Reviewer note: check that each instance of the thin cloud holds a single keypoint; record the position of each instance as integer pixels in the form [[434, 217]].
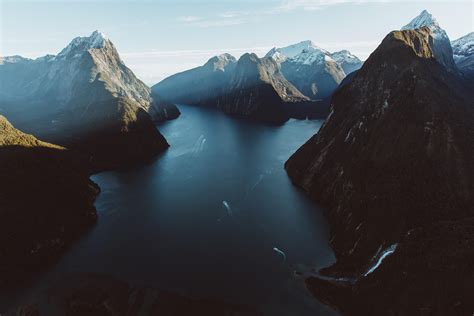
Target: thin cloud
[[189, 18], [311, 5], [224, 19], [219, 23], [233, 14]]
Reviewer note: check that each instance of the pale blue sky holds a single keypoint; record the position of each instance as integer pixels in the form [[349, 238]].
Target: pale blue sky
[[159, 38]]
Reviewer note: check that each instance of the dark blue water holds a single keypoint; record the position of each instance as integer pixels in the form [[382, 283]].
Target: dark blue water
[[165, 224]]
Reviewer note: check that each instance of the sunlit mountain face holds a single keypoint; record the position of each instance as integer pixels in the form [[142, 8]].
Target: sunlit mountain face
[[236, 158]]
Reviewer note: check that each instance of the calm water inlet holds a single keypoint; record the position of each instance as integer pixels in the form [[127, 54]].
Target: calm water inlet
[[206, 217]]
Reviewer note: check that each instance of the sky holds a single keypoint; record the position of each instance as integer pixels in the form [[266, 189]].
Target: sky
[[159, 38]]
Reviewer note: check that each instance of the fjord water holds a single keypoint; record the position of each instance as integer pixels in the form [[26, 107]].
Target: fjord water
[[204, 219]]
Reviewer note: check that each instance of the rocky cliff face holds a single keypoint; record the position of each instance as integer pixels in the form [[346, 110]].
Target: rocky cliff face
[[463, 49], [198, 86], [85, 86], [46, 201], [393, 165]]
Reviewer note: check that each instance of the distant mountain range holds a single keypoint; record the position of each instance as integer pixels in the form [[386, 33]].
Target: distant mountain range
[[394, 166], [302, 79], [84, 97], [314, 71], [463, 49]]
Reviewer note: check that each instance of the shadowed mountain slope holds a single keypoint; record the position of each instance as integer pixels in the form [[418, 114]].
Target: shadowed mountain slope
[[394, 166], [83, 90], [46, 201]]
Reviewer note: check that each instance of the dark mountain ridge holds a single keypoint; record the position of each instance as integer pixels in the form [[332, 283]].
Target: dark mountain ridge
[[394, 166]]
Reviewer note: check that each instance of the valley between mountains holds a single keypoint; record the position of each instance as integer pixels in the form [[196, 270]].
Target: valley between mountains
[[344, 187]]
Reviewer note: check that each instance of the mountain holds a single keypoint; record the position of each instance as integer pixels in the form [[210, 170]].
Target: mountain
[[441, 44], [198, 86], [393, 166], [258, 90], [84, 97], [46, 201], [347, 61], [250, 87], [280, 54], [463, 49], [314, 71]]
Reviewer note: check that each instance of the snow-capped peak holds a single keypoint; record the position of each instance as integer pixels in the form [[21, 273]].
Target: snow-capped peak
[[310, 55], [441, 45], [220, 62], [345, 56], [226, 57], [281, 54], [464, 46], [95, 40], [424, 19]]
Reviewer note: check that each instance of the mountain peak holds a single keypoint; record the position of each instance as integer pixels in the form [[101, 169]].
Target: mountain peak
[[291, 51], [96, 40], [441, 45], [220, 62], [226, 57], [424, 19]]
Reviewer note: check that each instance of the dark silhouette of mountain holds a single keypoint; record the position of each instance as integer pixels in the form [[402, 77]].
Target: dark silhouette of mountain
[[393, 164], [46, 201], [92, 294], [84, 97]]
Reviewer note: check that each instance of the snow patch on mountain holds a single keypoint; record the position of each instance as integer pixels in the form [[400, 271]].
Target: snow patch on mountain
[[423, 19], [463, 46], [345, 56], [281, 54], [311, 55], [463, 50], [307, 53], [13, 59], [80, 44], [426, 19], [441, 45]]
